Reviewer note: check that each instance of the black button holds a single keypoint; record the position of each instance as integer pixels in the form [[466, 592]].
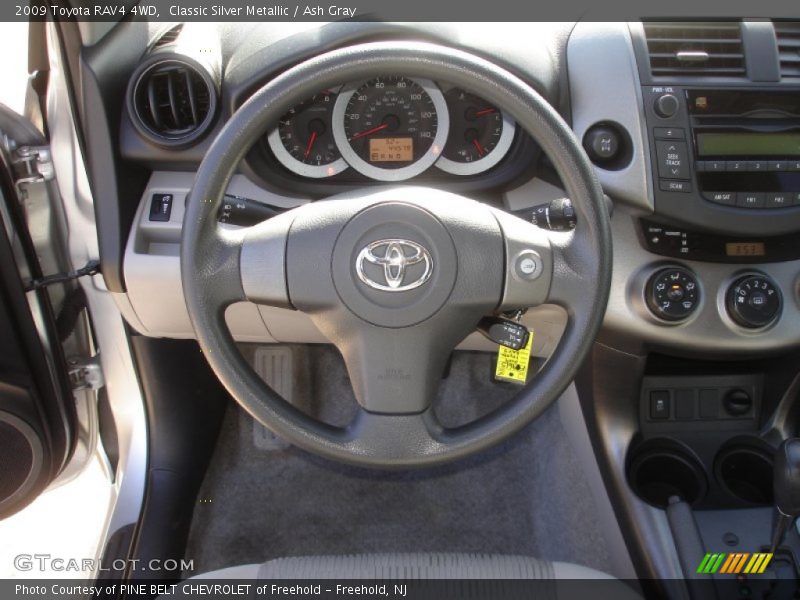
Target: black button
[[777, 199], [669, 133], [668, 185], [796, 198], [777, 165], [727, 198], [793, 165], [736, 165], [750, 199], [659, 404], [709, 404], [757, 165], [160, 207], [684, 405], [673, 160], [715, 165]]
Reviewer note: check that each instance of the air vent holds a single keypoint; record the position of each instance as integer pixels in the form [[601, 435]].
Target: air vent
[[695, 49], [172, 101], [169, 36], [788, 34]]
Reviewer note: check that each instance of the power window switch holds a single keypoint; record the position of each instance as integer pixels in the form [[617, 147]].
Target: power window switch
[[659, 405], [160, 207]]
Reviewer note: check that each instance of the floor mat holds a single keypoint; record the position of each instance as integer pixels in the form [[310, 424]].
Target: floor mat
[[526, 496]]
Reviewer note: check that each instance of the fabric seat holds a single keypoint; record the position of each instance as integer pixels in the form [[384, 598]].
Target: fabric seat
[[566, 580]]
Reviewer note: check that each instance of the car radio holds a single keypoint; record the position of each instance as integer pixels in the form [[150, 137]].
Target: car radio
[[737, 147]]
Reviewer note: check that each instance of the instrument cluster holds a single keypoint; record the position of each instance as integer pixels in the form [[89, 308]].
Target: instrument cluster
[[392, 128]]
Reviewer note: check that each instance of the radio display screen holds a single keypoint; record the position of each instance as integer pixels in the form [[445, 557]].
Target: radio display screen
[[784, 145], [745, 249]]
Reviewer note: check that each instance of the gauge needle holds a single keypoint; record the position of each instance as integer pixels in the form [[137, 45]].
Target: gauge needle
[[485, 111], [478, 146], [361, 134], [310, 144]]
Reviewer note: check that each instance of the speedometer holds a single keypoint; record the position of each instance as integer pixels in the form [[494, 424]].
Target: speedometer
[[391, 128]]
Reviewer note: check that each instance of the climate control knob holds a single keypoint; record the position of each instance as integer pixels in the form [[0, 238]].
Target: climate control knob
[[672, 293], [754, 301]]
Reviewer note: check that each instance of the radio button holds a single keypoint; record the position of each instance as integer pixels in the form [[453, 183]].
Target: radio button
[[796, 198], [715, 165], [727, 198], [669, 185], [736, 165], [750, 199], [700, 166], [777, 165], [778, 200], [673, 160], [757, 165], [793, 165], [669, 133]]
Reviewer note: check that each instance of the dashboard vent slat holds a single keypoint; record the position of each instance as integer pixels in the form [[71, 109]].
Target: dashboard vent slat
[[788, 36], [169, 37], [695, 49], [172, 101]]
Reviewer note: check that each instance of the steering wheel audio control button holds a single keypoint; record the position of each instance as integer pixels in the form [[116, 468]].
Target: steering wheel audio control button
[[528, 265], [672, 294]]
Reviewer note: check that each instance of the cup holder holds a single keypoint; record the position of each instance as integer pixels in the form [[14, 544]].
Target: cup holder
[[745, 471], [660, 469]]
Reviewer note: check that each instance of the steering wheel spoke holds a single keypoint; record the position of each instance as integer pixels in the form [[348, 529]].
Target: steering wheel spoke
[[263, 261]]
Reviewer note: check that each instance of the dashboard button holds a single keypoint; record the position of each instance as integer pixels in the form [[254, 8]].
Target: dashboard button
[[727, 198], [793, 165], [777, 199], [659, 404], [750, 199], [673, 160], [777, 165], [669, 133], [715, 165], [667, 106], [736, 165], [796, 198], [757, 165], [669, 185], [160, 207], [700, 166]]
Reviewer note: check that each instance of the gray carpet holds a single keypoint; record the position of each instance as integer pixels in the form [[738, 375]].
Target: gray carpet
[[526, 496]]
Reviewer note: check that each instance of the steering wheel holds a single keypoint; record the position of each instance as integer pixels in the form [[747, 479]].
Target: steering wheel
[[454, 260]]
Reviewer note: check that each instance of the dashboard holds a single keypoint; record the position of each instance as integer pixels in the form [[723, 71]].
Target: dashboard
[[692, 129]]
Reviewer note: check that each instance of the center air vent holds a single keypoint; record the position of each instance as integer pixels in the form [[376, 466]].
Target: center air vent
[[695, 49], [788, 35], [172, 101]]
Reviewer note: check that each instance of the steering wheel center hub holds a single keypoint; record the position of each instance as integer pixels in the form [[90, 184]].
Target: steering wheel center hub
[[394, 264]]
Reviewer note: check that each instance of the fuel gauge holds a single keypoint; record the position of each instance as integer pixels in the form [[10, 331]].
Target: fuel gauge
[[480, 134]]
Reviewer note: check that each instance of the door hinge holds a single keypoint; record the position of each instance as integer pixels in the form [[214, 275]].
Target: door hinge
[[32, 164], [86, 373]]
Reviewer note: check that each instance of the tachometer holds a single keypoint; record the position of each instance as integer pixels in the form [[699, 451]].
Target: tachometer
[[390, 128], [480, 134], [303, 140]]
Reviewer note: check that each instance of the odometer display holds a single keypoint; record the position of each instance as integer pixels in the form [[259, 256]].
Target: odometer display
[[391, 128]]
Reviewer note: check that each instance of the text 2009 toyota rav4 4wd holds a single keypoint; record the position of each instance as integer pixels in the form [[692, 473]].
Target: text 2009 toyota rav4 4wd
[[421, 310]]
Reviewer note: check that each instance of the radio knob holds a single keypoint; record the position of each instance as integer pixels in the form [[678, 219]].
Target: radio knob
[[754, 301], [667, 106]]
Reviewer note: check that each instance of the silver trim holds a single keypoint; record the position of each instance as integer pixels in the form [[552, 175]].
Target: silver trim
[[495, 155], [394, 262], [403, 173]]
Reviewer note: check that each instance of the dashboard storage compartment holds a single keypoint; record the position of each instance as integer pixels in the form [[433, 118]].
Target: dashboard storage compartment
[[661, 468]]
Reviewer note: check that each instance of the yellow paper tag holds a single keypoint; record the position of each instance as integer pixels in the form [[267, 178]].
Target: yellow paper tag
[[512, 365]]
